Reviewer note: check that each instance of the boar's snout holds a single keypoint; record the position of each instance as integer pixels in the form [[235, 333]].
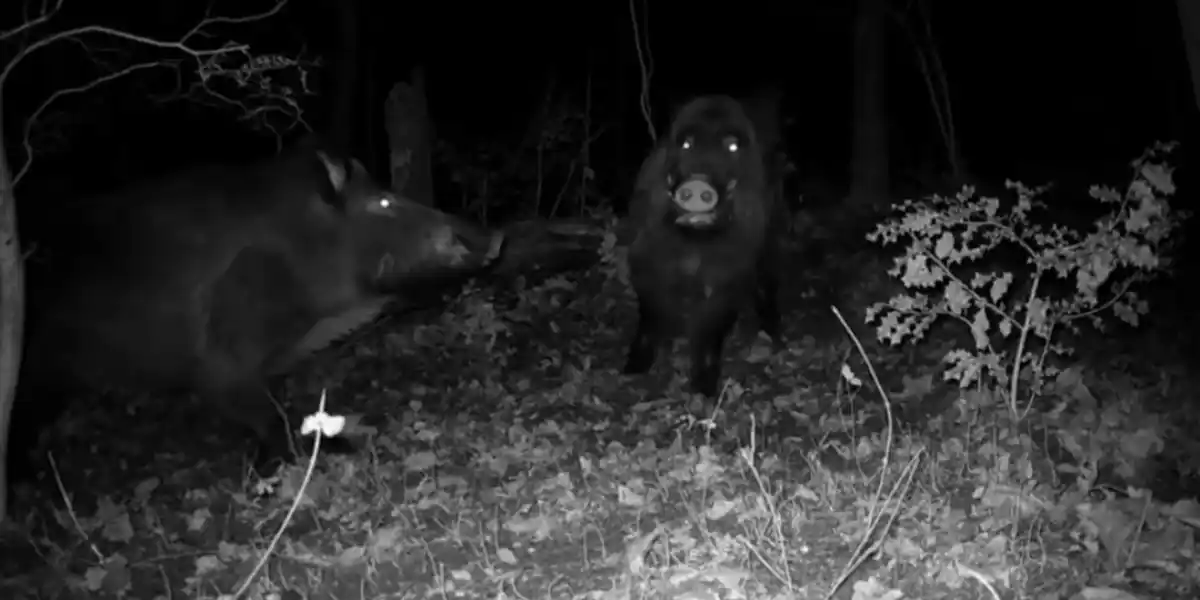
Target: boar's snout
[[428, 248], [456, 245]]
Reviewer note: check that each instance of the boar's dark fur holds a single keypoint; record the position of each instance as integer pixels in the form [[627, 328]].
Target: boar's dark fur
[[695, 263], [206, 281]]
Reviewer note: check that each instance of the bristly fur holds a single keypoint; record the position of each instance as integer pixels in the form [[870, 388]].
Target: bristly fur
[[696, 284], [213, 279]]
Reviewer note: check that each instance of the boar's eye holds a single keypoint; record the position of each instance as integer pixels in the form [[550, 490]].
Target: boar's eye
[[687, 143], [731, 144], [381, 205]]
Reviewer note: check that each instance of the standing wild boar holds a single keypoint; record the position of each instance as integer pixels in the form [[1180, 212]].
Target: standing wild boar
[[706, 224], [207, 280]]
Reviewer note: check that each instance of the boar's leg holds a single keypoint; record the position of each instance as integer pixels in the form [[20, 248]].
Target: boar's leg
[[766, 302], [643, 350], [246, 404], [712, 327], [31, 416], [258, 309], [46, 388]]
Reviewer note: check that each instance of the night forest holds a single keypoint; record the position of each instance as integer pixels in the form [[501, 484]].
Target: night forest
[[854, 299]]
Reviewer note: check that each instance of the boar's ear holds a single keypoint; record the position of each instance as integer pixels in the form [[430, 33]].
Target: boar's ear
[[358, 171], [336, 170]]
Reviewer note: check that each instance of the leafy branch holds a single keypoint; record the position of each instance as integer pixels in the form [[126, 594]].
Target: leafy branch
[[947, 238]]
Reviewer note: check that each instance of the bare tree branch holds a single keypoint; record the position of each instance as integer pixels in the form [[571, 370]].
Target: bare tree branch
[[180, 45], [33, 118], [45, 14], [260, 94], [641, 42]]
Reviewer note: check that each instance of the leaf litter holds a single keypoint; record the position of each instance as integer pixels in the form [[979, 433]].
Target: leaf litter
[[502, 455]]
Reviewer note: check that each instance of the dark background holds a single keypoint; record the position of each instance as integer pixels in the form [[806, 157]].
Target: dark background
[[1065, 91]]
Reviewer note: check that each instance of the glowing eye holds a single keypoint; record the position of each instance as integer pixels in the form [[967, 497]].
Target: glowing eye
[[687, 144], [731, 144], [380, 206]]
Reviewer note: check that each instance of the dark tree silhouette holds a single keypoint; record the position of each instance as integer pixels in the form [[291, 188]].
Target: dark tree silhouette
[[1189, 21], [869, 159], [347, 76]]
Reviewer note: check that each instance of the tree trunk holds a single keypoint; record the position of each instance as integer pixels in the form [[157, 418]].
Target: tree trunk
[[12, 312], [410, 135], [374, 146], [1189, 20], [621, 98], [345, 91], [869, 166]]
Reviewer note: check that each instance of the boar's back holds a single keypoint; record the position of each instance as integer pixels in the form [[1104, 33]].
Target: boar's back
[[163, 277]]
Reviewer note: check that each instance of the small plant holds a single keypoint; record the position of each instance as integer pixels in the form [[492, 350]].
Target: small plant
[[952, 243]]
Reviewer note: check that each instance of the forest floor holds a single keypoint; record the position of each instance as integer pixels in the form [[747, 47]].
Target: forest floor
[[505, 456]]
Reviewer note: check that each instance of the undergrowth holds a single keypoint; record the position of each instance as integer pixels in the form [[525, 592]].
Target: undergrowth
[[504, 455]]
